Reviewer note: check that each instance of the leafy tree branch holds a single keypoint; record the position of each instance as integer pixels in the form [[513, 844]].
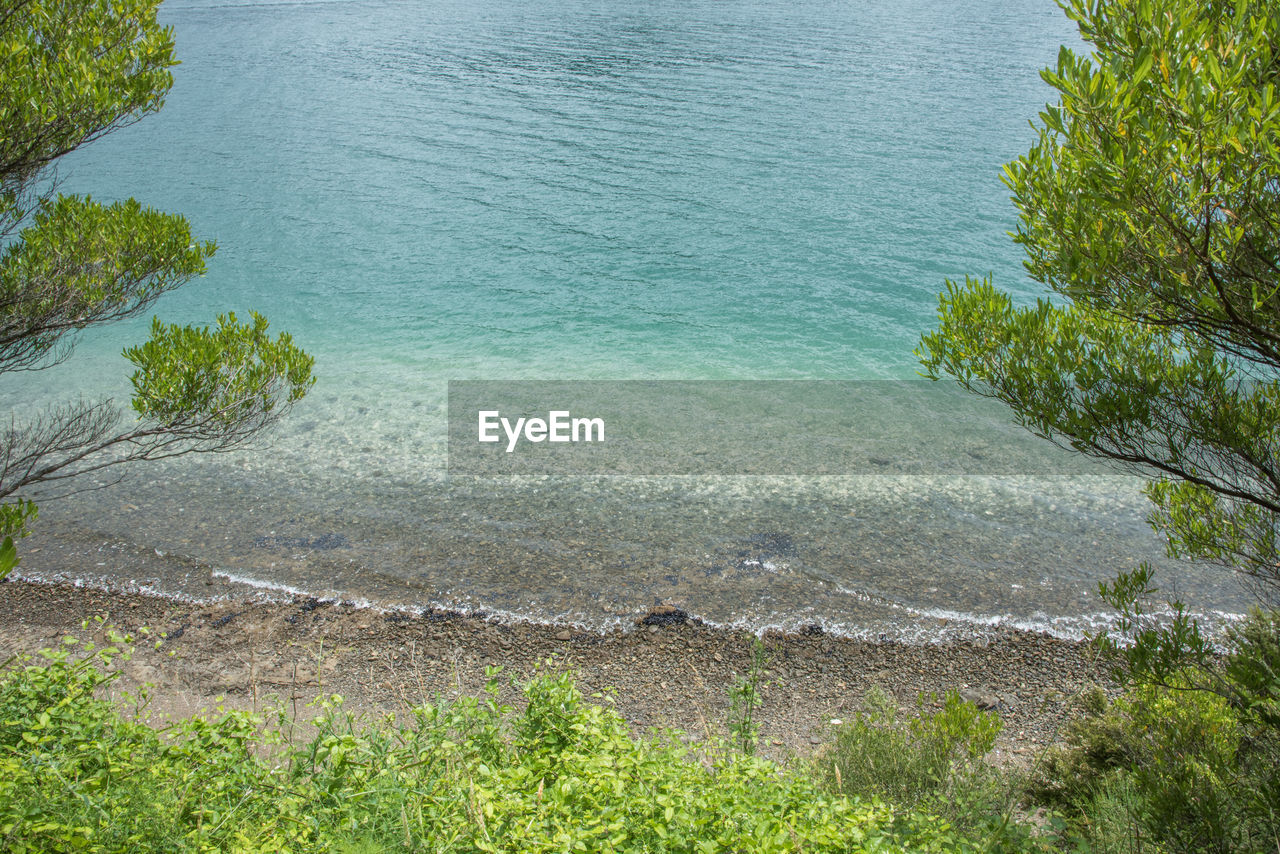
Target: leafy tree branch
[[74, 71]]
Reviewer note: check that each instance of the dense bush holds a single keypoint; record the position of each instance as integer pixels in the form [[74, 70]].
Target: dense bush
[[1187, 762], [471, 775], [932, 761]]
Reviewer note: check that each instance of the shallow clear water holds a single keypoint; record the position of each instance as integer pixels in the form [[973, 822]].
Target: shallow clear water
[[426, 191]]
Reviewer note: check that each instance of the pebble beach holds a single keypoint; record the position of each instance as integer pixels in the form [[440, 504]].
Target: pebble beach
[[666, 672]]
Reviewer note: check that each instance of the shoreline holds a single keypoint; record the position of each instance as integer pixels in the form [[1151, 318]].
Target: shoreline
[[669, 673], [62, 558]]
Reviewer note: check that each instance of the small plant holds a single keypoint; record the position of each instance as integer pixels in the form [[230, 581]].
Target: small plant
[[744, 699], [932, 761]]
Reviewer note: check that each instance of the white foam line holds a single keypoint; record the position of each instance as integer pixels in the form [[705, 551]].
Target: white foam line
[[1073, 628], [284, 592], [112, 585], [259, 584], [465, 609], [961, 625]]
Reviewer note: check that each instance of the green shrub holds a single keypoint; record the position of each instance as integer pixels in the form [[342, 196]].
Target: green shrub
[[1160, 763], [76, 775], [1252, 671], [68, 764], [1192, 759], [463, 776], [932, 761], [1095, 748], [1114, 823]]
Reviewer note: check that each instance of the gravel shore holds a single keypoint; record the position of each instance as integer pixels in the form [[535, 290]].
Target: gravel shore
[[666, 672]]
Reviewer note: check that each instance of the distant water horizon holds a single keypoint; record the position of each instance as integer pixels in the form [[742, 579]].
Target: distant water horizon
[[422, 192]]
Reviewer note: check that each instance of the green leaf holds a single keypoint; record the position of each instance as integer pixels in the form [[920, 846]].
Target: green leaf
[[8, 557]]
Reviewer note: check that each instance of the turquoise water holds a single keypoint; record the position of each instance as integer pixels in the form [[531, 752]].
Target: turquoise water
[[422, 191], [701, 189]]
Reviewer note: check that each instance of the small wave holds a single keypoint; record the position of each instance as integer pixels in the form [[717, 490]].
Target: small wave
[[950, 624]]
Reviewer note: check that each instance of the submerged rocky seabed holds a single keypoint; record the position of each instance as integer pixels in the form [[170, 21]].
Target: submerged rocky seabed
[[878, 557]]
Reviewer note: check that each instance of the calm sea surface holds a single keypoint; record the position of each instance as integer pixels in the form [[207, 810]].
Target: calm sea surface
[[427, 191]]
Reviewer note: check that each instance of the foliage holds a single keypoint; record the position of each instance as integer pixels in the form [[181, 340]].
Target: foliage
[[469, 775], [14, 519], [1170, 650], [744, 699], [210, 383], [931, 761], [1187, 758], [74, 72], [1148, 206], [1113, 824]]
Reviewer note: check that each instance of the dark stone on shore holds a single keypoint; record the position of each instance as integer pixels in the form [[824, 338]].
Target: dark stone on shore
[[435, 615], [984, 700], [667, 615]]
